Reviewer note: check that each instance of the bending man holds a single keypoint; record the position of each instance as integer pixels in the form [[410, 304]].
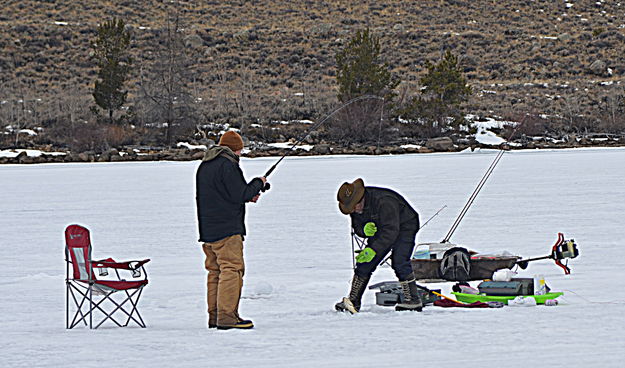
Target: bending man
[[390, 224]]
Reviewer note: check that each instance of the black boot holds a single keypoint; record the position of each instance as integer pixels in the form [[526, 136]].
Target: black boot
[[243, 324], [352, 303], [412, 301]]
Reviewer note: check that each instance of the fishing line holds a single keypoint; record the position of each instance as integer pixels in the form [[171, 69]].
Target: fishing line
[[313, 128], [617, 302]]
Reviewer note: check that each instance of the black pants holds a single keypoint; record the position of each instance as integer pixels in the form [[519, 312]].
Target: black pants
[[400, 258]]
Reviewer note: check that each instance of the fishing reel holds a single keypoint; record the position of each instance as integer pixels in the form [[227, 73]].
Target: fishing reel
[[265, 187]]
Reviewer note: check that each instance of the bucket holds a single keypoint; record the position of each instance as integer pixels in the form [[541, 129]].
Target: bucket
[[421, 252]]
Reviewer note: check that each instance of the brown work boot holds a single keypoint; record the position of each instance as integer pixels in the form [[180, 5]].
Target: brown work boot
[[243, 324], [351, 304]]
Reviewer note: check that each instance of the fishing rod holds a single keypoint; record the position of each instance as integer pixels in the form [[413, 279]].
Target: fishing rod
[[479, 187], [431, 217], [312, 129]]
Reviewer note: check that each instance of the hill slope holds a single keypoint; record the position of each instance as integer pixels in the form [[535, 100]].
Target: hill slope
[[557, 58]]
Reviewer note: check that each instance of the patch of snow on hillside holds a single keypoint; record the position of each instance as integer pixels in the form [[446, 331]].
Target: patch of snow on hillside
[[27, 131], [483, 134], [488, 137], [191, 146], [288, 145], [287, 122], [406, 146], [31, 153]]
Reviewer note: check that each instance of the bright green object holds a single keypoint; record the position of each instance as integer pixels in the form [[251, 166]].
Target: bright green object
[[366, 255], [470, 298], [370, 229]]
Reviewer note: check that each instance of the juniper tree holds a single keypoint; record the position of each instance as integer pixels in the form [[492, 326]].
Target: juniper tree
[[361, 71], [113, 61], [444, 89]]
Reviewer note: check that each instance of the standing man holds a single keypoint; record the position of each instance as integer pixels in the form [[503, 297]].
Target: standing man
[[221, 195], [390, 224]]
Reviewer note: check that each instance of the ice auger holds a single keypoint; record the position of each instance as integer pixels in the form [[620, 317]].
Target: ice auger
[[562, 249]]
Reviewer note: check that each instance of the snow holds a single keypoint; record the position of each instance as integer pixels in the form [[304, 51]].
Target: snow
[[483, 134], [406, 146], [30, 153], [27, 131], [288, 145], [298, 263], [191, 146], [285, 122], [488, 137]]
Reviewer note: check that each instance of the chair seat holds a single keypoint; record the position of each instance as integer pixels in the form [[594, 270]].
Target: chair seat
[[119, 285]]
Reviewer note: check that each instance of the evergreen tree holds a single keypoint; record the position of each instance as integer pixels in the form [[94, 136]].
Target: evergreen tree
[[113, 60], [444, 81], [361, 70], [444, 90]]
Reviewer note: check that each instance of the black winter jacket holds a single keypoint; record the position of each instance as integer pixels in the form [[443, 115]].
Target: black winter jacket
[[392, 215], [221, 194]]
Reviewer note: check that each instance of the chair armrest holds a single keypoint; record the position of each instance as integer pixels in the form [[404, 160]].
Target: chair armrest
[[110, 263]]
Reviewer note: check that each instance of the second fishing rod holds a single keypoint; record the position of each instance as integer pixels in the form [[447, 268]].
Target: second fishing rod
[[314, 128], [480, 185]]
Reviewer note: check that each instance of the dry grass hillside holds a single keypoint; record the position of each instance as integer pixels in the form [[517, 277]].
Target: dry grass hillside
[[275, 59]]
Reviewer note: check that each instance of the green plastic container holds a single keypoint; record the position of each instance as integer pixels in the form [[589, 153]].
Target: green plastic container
[[470, 298]]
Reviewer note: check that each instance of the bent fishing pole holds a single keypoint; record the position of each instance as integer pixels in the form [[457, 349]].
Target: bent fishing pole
[[312, 129], [480, 185]]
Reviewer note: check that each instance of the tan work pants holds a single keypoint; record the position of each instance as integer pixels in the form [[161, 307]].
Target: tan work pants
[[224, 263]]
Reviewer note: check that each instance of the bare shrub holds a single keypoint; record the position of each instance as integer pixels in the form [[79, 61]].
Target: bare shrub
[[88, 137], [360, 122]]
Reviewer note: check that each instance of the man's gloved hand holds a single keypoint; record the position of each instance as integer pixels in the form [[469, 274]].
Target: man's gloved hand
[[366, 255], [370, 229]]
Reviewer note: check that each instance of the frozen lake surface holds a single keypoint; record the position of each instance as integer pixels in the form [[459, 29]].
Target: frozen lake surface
[[298, 263]]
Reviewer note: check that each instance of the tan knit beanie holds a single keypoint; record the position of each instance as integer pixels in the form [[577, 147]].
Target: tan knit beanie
[[232, 140]]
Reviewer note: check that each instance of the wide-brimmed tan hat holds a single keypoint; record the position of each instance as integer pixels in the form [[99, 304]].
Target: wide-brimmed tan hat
[[349, 195]]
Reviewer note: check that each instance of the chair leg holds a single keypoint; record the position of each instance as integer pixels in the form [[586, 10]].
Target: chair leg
[[82, 316], [108, 315], [67, 304], [119, 306], [93, 306], [78, 306], [134, 307], [90, 306]]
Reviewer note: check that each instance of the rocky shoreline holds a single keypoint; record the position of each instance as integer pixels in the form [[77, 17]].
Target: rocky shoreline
[[442, 144]]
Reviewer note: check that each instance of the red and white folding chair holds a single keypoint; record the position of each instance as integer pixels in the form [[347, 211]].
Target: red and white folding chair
[[103, 297]]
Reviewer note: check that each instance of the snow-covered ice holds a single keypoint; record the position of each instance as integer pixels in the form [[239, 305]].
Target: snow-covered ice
[[298, 263]]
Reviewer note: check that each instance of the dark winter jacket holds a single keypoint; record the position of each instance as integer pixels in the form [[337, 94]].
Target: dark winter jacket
[[392, 215], [221, 194]]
